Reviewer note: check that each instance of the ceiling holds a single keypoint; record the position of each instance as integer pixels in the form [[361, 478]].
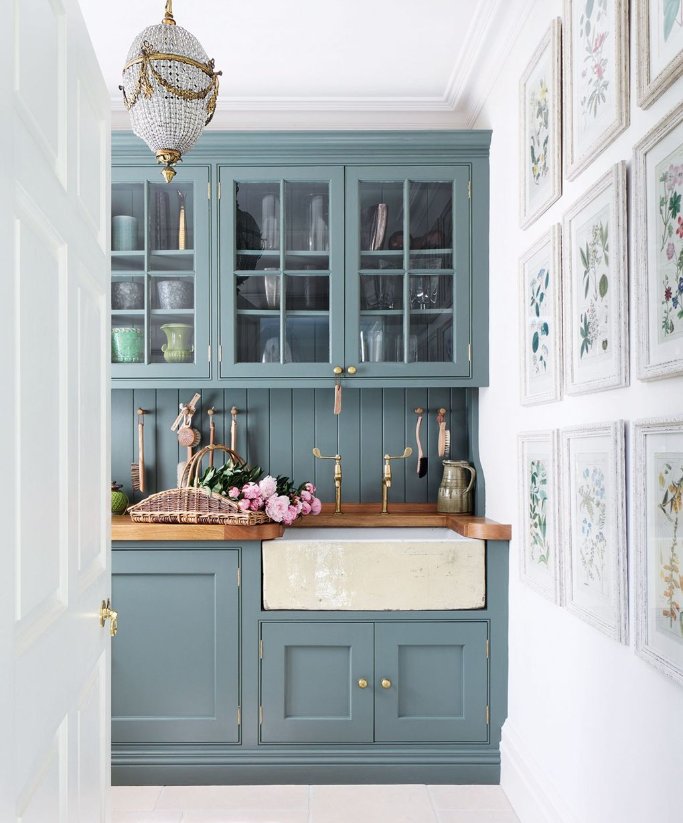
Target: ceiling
[[329, 63]]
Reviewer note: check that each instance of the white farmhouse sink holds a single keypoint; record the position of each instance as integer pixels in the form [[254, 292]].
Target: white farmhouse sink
[[373, 569]]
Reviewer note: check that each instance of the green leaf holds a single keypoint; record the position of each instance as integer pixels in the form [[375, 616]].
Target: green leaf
[[670, 12], [675, 204], [545, 329], [603, 285], [584, 257], [534, 342]]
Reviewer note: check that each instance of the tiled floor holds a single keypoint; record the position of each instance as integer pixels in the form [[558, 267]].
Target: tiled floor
[[311, 804]]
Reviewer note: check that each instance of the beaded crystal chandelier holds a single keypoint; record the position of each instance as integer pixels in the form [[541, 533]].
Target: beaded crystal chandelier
[[170, 89]]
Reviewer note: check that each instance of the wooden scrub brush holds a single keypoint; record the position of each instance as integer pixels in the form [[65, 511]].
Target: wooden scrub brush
[[137, 470], [422, 464]]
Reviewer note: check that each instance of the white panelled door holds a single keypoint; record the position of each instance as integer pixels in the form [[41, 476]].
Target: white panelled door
[[54, 532]]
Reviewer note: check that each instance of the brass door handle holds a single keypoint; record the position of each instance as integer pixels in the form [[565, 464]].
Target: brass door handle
[[386, 683], [351, 370], [107, 613], [362, 683], [337, 370]]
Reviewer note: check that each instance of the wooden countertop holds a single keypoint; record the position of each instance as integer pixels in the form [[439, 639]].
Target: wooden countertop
[[401, 515]]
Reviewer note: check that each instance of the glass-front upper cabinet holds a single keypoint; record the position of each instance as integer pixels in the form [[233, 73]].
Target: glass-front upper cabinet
[[160, 284], [408, 271], [281, 271]]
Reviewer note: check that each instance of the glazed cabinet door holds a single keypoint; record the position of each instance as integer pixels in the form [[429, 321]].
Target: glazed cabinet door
[[160, 274], [175, 658], [281, 271], [408, 272], [432, 682], [312, 683]]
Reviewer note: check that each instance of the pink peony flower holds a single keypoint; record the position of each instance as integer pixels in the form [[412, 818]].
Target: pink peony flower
[[234, 492], [305, 508], [310, 488], [316, 506], [256, 504], [244, 505], [251, 491], [268, 486], [276, 507], [306, 495], [289, 516]]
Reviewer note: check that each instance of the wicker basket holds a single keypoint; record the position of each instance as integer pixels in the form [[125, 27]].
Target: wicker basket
[[191, 504]]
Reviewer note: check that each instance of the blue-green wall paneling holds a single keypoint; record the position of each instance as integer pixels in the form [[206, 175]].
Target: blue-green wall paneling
[[278, 428]]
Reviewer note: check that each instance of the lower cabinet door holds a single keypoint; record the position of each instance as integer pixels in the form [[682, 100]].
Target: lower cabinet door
[[431, 682], [175, 657], [313, 678]]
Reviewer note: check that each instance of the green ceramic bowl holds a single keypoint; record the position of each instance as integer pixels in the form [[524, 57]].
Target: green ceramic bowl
[[127, 345]]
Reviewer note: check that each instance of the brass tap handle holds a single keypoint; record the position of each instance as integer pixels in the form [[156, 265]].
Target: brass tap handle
[[337, 476], [107, 613], [386, 477]]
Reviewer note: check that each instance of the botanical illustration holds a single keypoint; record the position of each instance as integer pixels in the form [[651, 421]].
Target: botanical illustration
[[591, 510], [593, 36], [668, 515], [539, 327], [593, 246], [539, 548], [539, 133], [669, 176]]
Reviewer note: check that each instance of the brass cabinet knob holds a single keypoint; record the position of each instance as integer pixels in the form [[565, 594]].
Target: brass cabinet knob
[[362, 683], [386, 683], [338, 370], [351, 370]]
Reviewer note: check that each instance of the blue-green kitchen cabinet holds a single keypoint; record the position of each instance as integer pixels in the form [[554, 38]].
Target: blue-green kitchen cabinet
[[360, 251], [175, 659], [418, 681], [160, 273], [209, 687], [281, 272]]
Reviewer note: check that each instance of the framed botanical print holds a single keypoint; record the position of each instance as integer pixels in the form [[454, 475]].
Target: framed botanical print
[[658, 167], [540, 94], [595, 79], [657, 488], [539, 561], [540, 324], [594, 548], [659, 32], [595, 283]]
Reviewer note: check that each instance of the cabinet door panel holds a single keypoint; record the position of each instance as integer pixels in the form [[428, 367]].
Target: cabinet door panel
[[160, 274], [309, 683], [175, 658], [281, 271], [408, 278], [439, 682]]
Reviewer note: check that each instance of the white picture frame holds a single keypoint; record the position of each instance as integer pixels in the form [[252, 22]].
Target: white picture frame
[[539, 513], [657, 486], [540, 135], [540, 325], [594, 559], [596, 81], [658, 173], [595, 287], [659, 36]]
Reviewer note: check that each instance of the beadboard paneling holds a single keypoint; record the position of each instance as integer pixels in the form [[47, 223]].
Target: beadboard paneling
[[277, 428]]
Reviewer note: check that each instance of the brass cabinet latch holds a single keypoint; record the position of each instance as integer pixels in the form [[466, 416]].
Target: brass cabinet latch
[[107, 613]]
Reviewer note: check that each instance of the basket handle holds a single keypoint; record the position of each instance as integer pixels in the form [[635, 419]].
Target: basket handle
[[190, 476]]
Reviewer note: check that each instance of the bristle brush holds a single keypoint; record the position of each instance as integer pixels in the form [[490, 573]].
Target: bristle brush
[[422, 464]]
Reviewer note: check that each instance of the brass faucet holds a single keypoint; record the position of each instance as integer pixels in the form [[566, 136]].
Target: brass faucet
[[386, 477], [337, 477]]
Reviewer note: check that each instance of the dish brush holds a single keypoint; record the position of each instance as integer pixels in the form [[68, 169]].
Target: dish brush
[[137, 470]]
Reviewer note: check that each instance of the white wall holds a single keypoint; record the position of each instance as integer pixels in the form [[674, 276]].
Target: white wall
[[594, 734]]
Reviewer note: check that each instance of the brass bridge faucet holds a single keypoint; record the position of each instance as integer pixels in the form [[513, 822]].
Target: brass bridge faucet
[[386, 477], [337, 477]]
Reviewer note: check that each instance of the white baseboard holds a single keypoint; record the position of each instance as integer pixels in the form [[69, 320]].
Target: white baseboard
[[531, 794]]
